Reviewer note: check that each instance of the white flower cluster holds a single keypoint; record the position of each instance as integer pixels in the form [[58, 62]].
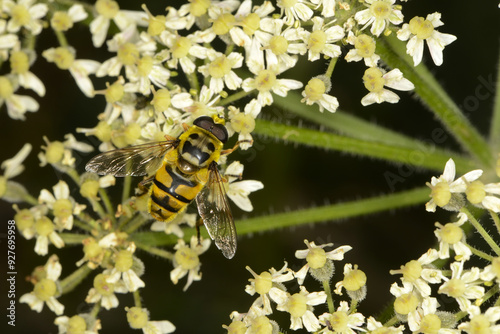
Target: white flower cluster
[[259, 43]]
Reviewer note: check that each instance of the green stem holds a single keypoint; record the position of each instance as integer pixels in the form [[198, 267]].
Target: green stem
[[331, 67], [235, 97], [495, 121], [480, 253], [156, 251], [73, 280], [73, 238], [418, 156], [135, 223], [489, 240], [304, 216], [329, 298], [127, 185], [392, 51], [137, 298], [107, 204], [496, 220]]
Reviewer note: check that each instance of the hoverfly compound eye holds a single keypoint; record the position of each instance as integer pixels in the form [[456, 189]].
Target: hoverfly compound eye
[[218, 130]]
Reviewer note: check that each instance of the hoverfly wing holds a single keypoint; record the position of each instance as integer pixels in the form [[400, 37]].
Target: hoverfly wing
[[135, 160], [216, 214]]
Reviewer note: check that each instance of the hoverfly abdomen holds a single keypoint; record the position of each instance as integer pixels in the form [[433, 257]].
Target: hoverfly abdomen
[[171, 192]]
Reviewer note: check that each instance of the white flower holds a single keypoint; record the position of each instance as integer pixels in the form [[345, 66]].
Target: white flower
[[62, 204], [7, 41], [220, 72], [295, 10], [379, 14], [426, 318], [24, 14], [187, 261], [322, 38], [66, 324], [262, 284], [20, 62], [482, 195], [446, 185], [315, 92], [299, 305], [108, 10], [420, 30], [342, 321], [45, 232], [364, 49], [46, 289], [123, 271], [375, 326], [486, 322], [420, 272], [452, 235], [9, 190], [463, 285], [104, 291], [182, 50], [17, 105], [318, 250], [138, 318], [173, 226], [243, 123], [80, 69], [63, 21], [238, 191], [375, 79], [407, 302]]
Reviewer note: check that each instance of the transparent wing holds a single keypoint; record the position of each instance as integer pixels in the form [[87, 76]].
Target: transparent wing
[[216, 214], [134, 160]]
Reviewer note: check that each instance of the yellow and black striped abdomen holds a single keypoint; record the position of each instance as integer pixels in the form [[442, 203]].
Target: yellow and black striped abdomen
[[171, 192]]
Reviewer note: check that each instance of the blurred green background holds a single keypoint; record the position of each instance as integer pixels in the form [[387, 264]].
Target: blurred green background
[[294, 177]]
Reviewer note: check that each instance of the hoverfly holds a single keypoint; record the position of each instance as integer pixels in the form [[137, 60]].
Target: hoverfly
[[185, 168]]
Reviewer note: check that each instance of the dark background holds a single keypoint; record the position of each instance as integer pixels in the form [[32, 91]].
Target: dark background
[[294, 177]]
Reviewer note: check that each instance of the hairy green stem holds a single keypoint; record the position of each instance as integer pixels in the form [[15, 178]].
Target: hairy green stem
[[489, 240], [495, 120], [73, 280], [329, 298]]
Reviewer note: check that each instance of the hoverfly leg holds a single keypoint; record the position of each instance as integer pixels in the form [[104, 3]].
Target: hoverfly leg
[[198, 224], [231, 150], [143, 185]]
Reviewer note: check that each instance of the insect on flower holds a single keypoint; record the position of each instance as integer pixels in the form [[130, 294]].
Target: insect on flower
[[184, 168]]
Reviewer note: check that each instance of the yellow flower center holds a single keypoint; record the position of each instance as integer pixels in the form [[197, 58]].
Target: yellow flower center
[[219, 67], [137, 317], [454, 288], [354, 280], [181, 47], [288, 3], [475, 192], [441, 193], [24, 218], [250, 24], [316, 258], [365, 45], [297, 305], [373, 80], [263, 283], [61, 21], [187, 258], [243, 123], [63, 58], [339, 322], [145, 65], [63, 208], [261, 324], [161, 100], [6, 89], [451, 233], [54, 152], [316, 41], [91, 248], [420, 27], [265, 80], [406, 303], [103, 131], [20, 15], [157, 25], [19, 62], [223, 24], [45, 289], [412, 271], [199, 7], [479, 324], [107, 8], [44, 226], [128, 54], [124, 260], [315, 89], [76, 325], [132, 133], [278, 45], [102, 286], [114, 93], [430, 324], [89, 189], [380, 10]]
